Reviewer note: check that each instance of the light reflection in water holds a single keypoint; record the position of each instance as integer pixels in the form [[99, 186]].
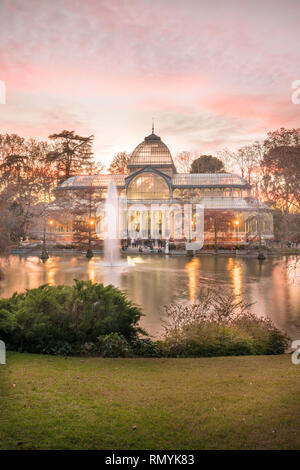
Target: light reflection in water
[[51, 269], [235, 269], [91, 270], [133, 261], [192, 269]]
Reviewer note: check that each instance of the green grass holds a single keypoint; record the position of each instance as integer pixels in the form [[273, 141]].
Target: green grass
[[94, 403]]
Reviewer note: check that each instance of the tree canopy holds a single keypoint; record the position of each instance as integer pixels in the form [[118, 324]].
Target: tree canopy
[[281, 176], [207, 164], [72, 153]]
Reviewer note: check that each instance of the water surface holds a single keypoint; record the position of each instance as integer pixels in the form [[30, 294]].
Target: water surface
[[153, 281]]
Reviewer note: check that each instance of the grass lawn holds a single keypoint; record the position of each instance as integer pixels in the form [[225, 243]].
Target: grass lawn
[[215, 403]]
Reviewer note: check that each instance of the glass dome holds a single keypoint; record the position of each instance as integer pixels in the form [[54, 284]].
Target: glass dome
[[152, 151]]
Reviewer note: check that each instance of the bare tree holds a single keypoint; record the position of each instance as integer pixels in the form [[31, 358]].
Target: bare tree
[[246, 160], [282, 138], [184, 160], [24, 181], [281, 169], [119, 163], [218, 221]]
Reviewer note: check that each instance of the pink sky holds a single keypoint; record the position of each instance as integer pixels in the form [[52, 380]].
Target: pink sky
[[213, 74]]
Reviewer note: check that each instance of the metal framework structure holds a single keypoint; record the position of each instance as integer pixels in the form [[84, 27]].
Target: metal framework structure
[[152, 151], [153, 178]]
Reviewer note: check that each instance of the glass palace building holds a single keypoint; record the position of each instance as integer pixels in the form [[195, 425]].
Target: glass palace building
[[152, 193]]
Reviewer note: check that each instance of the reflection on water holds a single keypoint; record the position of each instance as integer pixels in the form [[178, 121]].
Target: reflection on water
[[51, 271], [235, 270], [192, 272], [154, 281], [91, 270]]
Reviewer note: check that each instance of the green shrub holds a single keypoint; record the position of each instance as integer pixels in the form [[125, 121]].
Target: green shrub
[[113, 345], [58, 348], [277, 343], [90, 319], [267, 339], [87, 349], [206, 340], [7, 317], [146, 348], [219, 325], [51, 317]]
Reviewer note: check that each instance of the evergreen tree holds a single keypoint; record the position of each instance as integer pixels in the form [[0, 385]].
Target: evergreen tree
[[207, 164], [72, 155]]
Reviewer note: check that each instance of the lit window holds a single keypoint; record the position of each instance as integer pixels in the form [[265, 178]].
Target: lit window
[[176, 193], [217, 192]]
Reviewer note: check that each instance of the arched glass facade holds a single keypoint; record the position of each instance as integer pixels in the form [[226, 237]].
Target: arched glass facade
[[148, 186]]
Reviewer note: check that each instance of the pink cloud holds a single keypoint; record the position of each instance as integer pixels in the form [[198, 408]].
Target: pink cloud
[[107, 66]]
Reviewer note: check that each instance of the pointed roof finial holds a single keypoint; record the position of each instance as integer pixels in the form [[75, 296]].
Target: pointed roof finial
[[152, 125]]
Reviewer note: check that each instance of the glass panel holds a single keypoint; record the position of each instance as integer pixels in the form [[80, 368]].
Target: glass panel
[[267, 223], [148, 186], [207, 179], [151, 152], [87, 181]]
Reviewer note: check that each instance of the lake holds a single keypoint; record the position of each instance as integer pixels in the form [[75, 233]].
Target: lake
[[153, 281]]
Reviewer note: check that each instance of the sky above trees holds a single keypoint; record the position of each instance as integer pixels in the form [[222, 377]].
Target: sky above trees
[[213, 74]]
